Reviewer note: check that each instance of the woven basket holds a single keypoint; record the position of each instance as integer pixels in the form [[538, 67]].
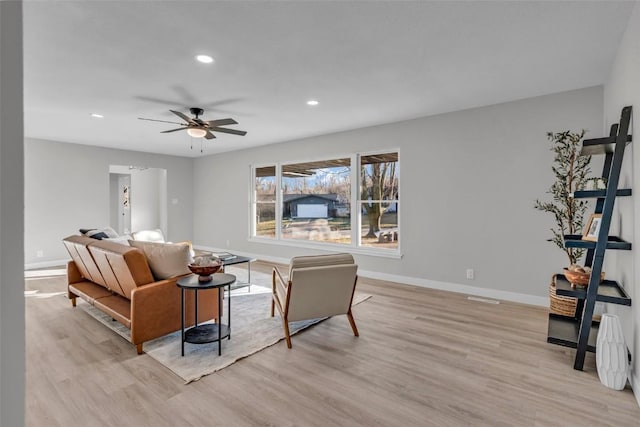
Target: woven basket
[[565, 306]]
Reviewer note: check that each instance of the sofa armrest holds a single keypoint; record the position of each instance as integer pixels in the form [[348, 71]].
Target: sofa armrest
[[156, 310], [73, 274]]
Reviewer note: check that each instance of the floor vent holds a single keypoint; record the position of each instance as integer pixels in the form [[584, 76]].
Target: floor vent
[[484, 300]]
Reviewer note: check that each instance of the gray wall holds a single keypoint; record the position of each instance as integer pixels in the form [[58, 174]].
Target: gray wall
[[468, 184], [67, 188], [623, 88], [12, 323]]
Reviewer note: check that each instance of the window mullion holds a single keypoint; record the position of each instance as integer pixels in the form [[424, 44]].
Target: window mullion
[[278, 206], [253, 201], [355, 206]]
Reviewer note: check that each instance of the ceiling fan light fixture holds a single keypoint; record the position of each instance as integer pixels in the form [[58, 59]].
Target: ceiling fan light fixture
[[205, 59], [196, 132]]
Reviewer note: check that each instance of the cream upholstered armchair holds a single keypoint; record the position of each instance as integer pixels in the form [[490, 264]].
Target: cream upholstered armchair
[[317, 286]]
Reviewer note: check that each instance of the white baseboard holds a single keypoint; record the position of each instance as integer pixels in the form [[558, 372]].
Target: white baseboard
[[458, 288], [416, 281], [45, 264]]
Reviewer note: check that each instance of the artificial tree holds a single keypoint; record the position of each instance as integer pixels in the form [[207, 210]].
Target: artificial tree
[[570, 170]]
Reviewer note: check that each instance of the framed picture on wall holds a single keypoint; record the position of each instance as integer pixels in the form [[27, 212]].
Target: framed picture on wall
[[593, 228], [125, 196]]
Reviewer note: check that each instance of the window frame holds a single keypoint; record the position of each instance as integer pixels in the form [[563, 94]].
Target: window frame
[[356, 220]]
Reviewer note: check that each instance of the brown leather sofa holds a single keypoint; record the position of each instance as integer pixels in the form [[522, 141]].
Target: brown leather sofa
[[117, 280]]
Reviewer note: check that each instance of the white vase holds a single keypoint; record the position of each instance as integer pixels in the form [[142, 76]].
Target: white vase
[[611, 353]]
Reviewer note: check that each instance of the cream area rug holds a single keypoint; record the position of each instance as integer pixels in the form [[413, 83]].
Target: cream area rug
[[252, 329]]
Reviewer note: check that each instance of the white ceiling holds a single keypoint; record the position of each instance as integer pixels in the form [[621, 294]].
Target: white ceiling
[[367, 63]]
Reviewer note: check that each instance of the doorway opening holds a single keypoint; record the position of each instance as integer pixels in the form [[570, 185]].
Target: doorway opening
[[138, 198]]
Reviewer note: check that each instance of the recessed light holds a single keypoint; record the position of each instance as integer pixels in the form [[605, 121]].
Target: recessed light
[[205, 59], [312, 102], [97, 116]]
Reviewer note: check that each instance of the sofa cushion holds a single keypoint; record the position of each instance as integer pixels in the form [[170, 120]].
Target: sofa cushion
[[124, 268], [89, 291], [99, 233], [123, 240], [77, 248], [154, 235], [165, 259], [117, 307]]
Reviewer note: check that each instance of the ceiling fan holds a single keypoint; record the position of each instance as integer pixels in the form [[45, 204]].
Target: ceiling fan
[[198, 128]]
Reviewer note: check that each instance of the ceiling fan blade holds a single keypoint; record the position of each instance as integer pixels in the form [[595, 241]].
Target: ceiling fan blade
[[209, 135], [211, 106], [222, 122], [161, 101], [163, 121], [174, 130], [183, 117], [231, 131]]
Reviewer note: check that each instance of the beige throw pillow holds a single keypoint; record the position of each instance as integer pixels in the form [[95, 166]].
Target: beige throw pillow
[[166, 260]]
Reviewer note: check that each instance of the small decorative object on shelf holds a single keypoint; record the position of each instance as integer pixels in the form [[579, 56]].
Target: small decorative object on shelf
[[593, 228], [579, 276], [611, 353], [204, 267], [596, 183]]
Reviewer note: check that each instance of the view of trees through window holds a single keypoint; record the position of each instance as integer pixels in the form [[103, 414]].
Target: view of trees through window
[[379, 200], [316, 201], [265, 201]]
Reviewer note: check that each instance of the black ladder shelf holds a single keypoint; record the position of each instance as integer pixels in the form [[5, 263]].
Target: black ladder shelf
[[575, 332]]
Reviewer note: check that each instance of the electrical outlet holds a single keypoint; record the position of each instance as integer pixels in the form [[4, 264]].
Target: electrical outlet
[[39, 253], [470, 273]]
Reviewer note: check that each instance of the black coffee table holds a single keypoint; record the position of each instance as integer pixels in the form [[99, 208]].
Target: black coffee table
[[202, 334], [238, 259]]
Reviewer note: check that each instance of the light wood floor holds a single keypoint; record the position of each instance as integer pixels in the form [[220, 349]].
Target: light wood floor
[[423, 358]]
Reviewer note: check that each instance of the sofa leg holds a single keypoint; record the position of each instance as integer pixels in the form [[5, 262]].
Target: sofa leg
[[139, 348], [73, 302]]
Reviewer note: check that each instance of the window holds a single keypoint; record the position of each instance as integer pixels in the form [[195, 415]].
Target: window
[[348, 201], [316, 201], [378, 200], [265, 202]]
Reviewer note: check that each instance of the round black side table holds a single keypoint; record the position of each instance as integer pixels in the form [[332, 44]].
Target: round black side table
[[201, 334]]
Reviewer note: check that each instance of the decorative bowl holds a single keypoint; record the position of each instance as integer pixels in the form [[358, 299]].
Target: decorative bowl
[[204, 272], [577, 278]]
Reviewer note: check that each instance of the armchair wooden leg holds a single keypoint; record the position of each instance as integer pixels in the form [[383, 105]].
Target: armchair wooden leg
[[287, 336], [73, 302], [352, 321], [273, 306], [139, 348]]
